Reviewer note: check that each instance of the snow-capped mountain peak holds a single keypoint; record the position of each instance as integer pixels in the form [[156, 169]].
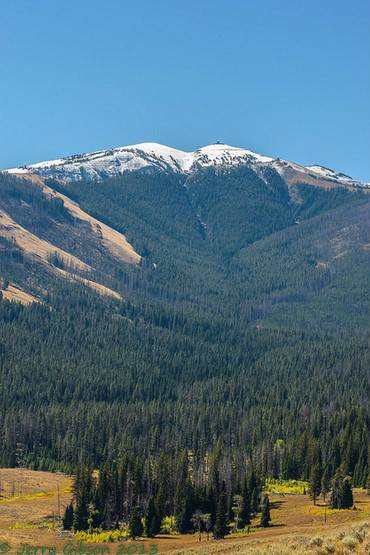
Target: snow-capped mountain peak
[[104, 164]]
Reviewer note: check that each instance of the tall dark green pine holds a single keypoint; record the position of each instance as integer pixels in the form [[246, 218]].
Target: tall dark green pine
[[220, 529], [104, 498], [67, 520], [164, 486], [83, 491], [347, 496], [245, 517], [315, 482], [255, 491], [184, 506], [152, 520], [136, 529]]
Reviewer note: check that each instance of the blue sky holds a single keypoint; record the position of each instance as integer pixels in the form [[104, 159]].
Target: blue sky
[[288, 78]]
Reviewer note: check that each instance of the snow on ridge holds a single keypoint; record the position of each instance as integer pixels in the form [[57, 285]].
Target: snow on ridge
[[219, 152], [103, 164], [329, 173], [116, 161]]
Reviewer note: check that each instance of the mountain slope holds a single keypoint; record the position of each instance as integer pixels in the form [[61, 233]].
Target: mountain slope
[[216, 304], [56, 237], [186, 224]]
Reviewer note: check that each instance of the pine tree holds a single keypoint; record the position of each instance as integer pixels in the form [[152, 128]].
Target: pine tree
[[255, 491], [245, 516], [341, 496], [265, 514], [68, 517], [82, 491], [135, 525], [315, 482], [103, 498], [184, 506], [325, 483], [220, 529], [152, 520], [347, 496]]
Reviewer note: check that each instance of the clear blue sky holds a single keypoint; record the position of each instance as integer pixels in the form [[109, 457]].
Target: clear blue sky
[[288, 78]]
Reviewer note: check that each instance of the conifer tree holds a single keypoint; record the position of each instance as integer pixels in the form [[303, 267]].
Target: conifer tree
[[341, 496], [245, 516], [265, 513], [103, 497], [152, 520], [68, 517], [325, 483], [220, 529], [347, 496], [184, 506], [135, 525], [315, 482], [82, 495], [254, 489]]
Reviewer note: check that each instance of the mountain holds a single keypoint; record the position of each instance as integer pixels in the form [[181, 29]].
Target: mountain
[[152, 157], [214, 301], [84, 217]]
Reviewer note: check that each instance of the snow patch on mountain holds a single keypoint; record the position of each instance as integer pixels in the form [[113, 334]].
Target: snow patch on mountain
[[328, 173]]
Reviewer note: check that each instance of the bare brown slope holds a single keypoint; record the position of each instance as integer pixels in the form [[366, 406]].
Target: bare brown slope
[[16, 294], [41, 251], [114, 241], [33, 245]]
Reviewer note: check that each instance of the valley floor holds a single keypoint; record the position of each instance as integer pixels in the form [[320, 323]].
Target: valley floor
[[29, 515]]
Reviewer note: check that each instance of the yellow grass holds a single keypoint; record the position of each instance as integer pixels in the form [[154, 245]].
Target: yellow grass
[[286, 487], [42, 250], [14, 293], [114, 241], [33, 245]]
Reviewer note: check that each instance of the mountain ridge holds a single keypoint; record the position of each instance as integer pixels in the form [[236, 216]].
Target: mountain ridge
[[102, 164], [187, 215]]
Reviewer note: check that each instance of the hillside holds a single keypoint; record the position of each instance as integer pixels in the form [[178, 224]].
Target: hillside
[[216, 304]]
